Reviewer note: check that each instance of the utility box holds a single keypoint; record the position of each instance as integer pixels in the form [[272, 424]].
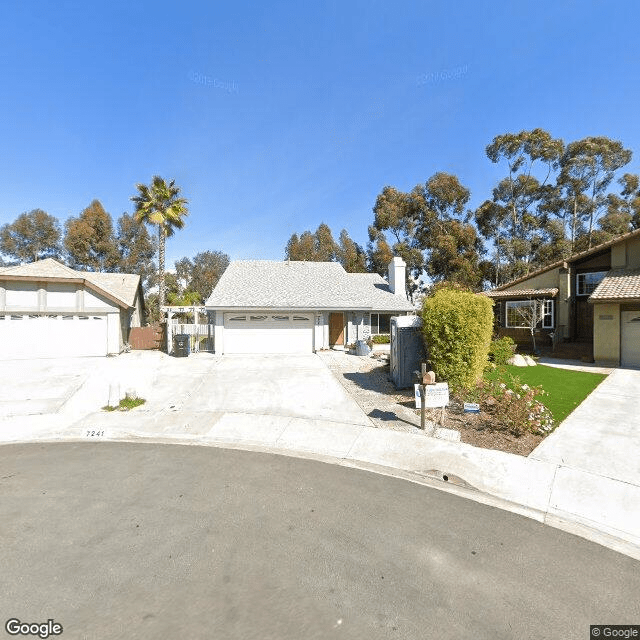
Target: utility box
[[407, 350], [181, 345]]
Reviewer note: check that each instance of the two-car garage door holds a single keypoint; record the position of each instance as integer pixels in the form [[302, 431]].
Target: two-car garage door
[[25, 336], [268, 333]]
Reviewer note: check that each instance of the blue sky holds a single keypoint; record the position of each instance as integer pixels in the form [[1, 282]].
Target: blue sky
[[274, 117]]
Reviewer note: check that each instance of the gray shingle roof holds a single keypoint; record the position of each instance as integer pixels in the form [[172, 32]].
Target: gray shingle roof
[[520, 293], [122, 286], [618, 284], [269, 284]]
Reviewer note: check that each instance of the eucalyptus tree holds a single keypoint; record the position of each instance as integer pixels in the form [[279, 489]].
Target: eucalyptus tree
[[587, 168], [512, 219], [623, 210], [31, 236], [431, 229], [90, 241], [136, 248], [161, 204]]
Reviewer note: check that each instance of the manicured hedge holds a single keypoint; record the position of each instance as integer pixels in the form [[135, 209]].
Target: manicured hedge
[[457, 328]]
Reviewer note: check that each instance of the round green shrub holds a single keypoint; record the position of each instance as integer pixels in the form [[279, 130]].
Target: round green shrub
[[502, 349], [457, 328]]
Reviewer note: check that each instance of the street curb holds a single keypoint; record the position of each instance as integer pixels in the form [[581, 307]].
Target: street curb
[[554, 516]]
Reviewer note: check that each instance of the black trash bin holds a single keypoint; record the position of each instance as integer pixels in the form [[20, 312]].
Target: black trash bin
[[181, 345]]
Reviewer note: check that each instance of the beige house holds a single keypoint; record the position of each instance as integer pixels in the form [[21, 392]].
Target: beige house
[[592, 297], [48, 310]]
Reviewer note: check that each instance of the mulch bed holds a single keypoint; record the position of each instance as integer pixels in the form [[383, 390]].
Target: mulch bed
[[479, 430]]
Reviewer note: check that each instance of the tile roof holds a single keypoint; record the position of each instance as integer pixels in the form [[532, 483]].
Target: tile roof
[[618, 284], [122, 286], [519, 293], [301, 285]]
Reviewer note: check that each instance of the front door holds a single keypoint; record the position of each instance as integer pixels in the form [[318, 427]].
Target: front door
[[336, 328], [584, 320]]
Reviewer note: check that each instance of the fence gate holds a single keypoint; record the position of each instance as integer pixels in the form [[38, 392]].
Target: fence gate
[[201, 335]]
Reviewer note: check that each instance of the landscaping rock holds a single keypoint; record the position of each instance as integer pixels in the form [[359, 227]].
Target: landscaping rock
[[517, 360], [530, 361]]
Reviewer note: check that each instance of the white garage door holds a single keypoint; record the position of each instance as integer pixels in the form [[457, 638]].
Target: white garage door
[[630, 339], [268, 333], [50, 336]]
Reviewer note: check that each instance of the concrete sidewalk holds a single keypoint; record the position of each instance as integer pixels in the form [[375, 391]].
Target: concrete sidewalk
[[557, 491], [602, 436]]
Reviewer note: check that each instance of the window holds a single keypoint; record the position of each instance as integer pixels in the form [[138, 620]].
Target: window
[[257, 318], [587, 282], [519, 313], [380, 323], [281, 318]]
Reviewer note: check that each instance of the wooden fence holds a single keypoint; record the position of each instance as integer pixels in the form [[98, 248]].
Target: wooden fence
[[151, 337]]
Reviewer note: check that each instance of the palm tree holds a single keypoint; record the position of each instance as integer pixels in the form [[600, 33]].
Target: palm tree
[[160, 203]]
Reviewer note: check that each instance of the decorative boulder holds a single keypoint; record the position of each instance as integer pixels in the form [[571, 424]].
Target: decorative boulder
[[530, 361], [517, 360]]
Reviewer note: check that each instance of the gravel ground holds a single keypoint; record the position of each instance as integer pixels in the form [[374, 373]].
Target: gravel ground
[[367, 381]]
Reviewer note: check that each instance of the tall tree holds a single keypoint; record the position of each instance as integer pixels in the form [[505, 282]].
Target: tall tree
[[318, 246], [350, 254], [136, 248], [431, 231], [379, 253], [32, 236], [202, 273], [396, 217], [623, 211], [161, 204], [587, 168], [512, 219], [89, 240]]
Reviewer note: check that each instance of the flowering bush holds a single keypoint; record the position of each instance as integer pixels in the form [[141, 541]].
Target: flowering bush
[[514, 410]]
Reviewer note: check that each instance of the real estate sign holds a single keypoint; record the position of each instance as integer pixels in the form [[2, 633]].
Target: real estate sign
[[436, 395]]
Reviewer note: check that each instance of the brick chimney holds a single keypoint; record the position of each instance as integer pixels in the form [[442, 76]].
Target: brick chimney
[[397, 268]]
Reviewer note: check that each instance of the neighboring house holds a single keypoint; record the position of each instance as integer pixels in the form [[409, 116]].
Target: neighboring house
[[48, 310], [591, 297], [300, 307]]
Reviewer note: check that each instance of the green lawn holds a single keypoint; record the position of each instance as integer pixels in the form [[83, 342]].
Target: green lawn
[[564, 389]]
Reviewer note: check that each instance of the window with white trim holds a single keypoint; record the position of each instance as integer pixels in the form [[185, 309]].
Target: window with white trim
[[380, 323], [586, 283], [518, 314]]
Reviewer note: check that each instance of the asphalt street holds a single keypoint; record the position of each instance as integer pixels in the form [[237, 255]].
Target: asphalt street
[[133, 540]]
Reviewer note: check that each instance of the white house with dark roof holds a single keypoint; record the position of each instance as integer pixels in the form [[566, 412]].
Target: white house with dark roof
[[301, 307], [591, 297], [48, 310]]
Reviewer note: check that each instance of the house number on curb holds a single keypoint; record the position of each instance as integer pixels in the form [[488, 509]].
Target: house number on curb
[[94, 433]]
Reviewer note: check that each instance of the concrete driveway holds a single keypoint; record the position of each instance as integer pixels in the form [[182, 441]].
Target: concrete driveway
[[203, 395], [602, 436]]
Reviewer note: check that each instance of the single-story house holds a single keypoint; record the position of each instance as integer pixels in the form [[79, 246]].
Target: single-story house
[[301, 307], [592, 297], [48, 310]]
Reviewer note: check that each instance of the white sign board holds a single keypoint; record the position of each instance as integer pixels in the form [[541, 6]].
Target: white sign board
[[436, 395], [471, 407]]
